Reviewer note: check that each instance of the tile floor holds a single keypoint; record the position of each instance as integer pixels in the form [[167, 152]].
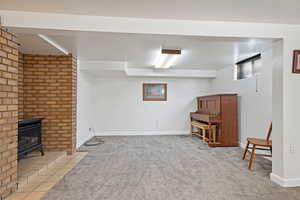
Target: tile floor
[[37, 175], [35, 164]]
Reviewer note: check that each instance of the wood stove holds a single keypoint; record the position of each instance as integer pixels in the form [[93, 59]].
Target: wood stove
[[29, 136]]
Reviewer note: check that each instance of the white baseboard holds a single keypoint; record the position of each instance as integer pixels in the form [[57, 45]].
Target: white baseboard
[[285, 182], [133, 133], [85, 139], [242, 145]]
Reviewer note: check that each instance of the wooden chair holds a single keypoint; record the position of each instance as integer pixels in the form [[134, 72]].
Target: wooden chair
[[258, 144]]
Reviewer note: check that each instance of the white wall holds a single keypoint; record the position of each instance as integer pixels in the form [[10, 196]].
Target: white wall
[[285, 165], [85, 111], [290, 118], [254, 97], [120, 109]]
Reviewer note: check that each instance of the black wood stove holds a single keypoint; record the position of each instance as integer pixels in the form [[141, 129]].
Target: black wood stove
[[29, 136]]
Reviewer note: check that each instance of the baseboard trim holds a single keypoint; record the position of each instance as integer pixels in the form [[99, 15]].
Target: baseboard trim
[[285, 182], [242, 145], [134, 133], [85, 139], [277, 179]]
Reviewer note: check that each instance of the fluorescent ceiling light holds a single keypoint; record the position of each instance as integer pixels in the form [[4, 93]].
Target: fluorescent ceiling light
[[167, 58], [53, 43]]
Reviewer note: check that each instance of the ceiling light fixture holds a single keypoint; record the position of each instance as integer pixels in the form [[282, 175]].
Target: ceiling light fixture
[[53, 43], [167, 58]]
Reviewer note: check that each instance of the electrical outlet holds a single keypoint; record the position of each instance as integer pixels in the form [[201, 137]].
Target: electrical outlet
[[292, 148]]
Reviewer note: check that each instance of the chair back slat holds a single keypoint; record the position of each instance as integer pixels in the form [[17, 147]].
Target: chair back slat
[[269, 132]]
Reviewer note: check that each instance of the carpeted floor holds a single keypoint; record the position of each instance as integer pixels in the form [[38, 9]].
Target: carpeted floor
[[167, 168]]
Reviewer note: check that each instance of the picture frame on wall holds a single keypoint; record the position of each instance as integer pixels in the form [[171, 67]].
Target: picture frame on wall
[[296, 62], [154, 92]]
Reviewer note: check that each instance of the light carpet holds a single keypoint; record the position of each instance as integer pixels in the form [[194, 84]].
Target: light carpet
[[167, 168]]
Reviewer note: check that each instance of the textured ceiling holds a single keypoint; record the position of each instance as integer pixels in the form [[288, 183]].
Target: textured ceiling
[[271, 11]]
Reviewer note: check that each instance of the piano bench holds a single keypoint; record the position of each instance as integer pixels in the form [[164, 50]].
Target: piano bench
[[205, 128]]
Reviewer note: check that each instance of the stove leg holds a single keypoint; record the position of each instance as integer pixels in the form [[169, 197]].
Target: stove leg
[[42, 151]]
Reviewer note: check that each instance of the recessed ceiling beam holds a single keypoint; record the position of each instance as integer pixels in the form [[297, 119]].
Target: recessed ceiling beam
[[173, 73], [103, 65], [54, 21], [53, 43]]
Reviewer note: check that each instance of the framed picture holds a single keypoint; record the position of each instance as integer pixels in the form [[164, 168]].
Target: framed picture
[[154, 92], [296, 62]]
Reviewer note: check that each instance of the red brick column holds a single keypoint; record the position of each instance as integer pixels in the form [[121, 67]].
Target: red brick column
[[74, 104], [20, 87], [50, 92], [8, 112]]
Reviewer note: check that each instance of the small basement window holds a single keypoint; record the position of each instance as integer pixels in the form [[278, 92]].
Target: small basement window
[[248, 67]]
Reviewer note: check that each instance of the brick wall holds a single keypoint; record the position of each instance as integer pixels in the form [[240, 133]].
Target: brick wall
[[74, 103], [50, 92], [20, 87], [8, 112]]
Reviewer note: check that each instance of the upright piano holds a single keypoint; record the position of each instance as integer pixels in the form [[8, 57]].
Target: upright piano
[[219, 110]]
